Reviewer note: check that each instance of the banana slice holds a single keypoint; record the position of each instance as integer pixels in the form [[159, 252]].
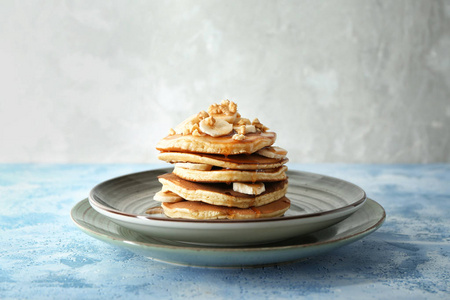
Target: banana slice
[[244, 129], [249, 188], [194, 166], [215, 127], [167, 196], [273, 152]]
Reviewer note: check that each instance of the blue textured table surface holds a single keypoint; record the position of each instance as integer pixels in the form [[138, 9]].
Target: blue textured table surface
[[44, 255]]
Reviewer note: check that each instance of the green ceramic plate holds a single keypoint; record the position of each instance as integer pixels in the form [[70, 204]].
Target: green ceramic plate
[[317, 202], [361, 223]]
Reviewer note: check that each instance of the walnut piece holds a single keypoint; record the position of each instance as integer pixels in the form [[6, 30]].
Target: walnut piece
[[259, 126], [226, 112], [186, 131], [210, 121], [194, 127], [241, 129], [197, 132], [202, 115], [226, 107], [215, 109], [232, 107], [238, 137], [243, 121]]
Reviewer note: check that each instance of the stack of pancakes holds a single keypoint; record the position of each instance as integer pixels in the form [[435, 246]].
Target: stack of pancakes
[[225, 168]]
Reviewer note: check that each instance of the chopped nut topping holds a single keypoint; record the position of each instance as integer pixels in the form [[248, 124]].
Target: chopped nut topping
[[241, 129], [259, 126], [229, 107], [186, 131], [243, 121], [196, 132], [202, 115], [226, 107], [210, 121], [215, 109], [232, 107], [195, 127], [238, 137], [226, 112], [190, 126]]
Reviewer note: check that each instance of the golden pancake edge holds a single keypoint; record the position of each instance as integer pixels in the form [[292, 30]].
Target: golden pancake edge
[[229, 175], [235, 162], [225, 145]]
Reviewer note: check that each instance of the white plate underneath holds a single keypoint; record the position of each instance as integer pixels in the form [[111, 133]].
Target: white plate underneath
[[317, 201], [363, 222]]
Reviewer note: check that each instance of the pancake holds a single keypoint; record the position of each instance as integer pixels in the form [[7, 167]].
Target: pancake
[[237, 162], [225, 145], [204, 211], [220, 193], [228, 175]]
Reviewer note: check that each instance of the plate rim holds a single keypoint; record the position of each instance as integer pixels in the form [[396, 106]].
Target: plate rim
[[93, 203], [197, 248]]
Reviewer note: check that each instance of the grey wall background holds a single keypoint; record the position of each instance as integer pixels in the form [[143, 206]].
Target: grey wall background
[[339, 81]]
